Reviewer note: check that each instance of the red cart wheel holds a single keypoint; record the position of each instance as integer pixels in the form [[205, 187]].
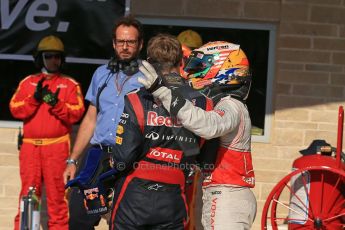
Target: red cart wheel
[[308, 198]]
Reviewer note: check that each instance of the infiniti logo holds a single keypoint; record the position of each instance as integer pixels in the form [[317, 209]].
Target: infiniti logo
[[152, 135]]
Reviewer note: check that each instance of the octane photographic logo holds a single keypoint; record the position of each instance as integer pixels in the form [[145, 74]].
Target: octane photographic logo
[[42, 9]]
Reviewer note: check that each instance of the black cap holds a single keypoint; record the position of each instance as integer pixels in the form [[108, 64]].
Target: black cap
[[314, 147]]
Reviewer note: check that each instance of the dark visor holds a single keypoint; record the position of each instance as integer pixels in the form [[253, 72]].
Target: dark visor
[[198, 62]]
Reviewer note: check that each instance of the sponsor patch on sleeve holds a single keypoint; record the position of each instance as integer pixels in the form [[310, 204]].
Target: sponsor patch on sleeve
[[220, 112], [119, 129], [118, 140]]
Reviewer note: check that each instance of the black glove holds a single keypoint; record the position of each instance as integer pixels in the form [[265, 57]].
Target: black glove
[[51, 98], [45, 90], [38, 91]]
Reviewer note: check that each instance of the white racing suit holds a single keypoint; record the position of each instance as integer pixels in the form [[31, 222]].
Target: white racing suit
[[228, 202]]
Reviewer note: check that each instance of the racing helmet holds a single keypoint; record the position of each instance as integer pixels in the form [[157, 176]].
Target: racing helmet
[[49, 43], [219, 66], [190, 38]]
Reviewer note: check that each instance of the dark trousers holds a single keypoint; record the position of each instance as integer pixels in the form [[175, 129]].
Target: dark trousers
[[78, 218], [148, 205]]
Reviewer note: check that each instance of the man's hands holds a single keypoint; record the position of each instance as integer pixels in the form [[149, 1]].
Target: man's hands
[[51, 98], [69, 172], [39, 90], [44, 94], [151, 81]]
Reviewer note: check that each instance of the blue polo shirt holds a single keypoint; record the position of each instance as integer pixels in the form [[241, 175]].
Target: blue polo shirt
[[111, 101]]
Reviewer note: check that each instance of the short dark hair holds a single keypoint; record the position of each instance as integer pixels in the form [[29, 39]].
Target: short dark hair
[[129, 21], [164, 49]]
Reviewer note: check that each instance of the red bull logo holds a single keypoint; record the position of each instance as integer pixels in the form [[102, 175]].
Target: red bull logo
[[154, 120], [91, 196]]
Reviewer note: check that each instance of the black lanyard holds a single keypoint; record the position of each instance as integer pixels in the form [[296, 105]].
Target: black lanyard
[[100, 89]]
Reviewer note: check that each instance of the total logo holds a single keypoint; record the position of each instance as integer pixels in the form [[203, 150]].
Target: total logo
[[164, 154], [154, 120]]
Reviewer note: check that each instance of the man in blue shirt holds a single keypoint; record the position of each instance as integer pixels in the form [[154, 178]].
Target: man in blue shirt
[[109, 84]]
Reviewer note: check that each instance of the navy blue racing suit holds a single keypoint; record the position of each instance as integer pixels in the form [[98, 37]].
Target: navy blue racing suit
[[155, 154]]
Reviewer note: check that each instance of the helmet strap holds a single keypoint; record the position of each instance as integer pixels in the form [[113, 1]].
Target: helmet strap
[[241, 93], [214, 93]]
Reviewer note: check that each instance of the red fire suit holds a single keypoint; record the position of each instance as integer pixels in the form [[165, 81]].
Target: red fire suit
[[46, 142]]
